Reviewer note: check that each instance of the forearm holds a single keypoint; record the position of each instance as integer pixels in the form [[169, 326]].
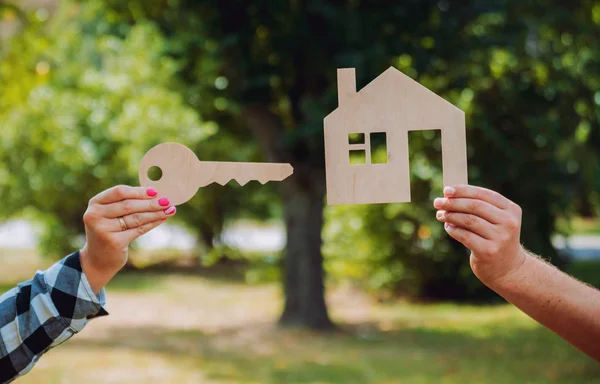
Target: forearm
[[98, 276], [566, 306], [42, 313]]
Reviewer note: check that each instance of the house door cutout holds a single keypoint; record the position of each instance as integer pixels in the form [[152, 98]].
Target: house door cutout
[[425, 162]]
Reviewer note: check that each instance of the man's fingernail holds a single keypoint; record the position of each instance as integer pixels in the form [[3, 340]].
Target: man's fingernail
[[163, 202], [447, 226], [171, 210], [439, 215], [449, 191], [438, 202], [151, 192]]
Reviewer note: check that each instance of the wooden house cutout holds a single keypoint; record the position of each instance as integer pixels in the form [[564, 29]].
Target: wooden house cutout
[[389, 106]]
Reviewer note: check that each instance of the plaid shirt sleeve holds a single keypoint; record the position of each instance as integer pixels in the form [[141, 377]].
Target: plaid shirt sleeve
[[44, 312]]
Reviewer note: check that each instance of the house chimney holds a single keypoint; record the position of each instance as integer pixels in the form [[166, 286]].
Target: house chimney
[[346, 84]]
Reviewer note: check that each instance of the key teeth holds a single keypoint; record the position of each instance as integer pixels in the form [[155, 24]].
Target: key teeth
[[223, 181], [242, 182], [275, 172]]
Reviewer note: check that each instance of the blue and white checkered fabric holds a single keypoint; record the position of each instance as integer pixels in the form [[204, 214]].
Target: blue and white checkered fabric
[[44, 312]]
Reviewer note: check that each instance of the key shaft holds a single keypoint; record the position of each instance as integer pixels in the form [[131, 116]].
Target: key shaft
[[223, 172]]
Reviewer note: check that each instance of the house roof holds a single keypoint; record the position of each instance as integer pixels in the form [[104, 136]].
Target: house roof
[[402, 84]]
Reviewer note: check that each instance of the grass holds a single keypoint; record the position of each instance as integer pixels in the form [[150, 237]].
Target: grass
[[17, 265], [199, 328]]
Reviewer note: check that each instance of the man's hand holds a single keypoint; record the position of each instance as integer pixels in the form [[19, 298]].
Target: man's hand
[[107, 241], [489, 225]]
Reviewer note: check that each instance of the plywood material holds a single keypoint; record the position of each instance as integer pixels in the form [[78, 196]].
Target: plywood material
[[392, 104], [183, 173]]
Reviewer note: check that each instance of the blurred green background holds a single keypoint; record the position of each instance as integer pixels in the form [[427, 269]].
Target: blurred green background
[[267, 284]]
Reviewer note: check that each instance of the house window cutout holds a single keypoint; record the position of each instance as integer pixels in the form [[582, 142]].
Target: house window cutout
[[378, 141], [356, 138], [367, 149], [358, 157], [358, 149]]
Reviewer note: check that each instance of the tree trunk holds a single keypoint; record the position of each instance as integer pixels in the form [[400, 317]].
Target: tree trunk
[[303, 264], [303, 196], [206, 235]]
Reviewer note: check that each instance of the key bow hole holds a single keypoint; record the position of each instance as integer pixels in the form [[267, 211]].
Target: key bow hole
[[155, 173]]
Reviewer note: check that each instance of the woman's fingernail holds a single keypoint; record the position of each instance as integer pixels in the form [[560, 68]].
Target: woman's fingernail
[[171, 210], [163, 202], [449, 191], [151, 192], [447, 226], [439, 215]]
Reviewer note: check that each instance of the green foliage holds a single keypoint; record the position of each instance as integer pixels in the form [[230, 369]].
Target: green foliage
[[90, 99], [533, 134], [533, 116], [84, 95]]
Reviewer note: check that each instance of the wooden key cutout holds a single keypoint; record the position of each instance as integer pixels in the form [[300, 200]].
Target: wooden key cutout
[[183, 174]]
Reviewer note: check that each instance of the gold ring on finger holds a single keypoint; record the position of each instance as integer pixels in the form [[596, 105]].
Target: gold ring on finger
[[123, 224]]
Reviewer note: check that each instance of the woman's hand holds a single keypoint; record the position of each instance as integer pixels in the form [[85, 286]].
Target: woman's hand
[[114, 218], [489, 225]]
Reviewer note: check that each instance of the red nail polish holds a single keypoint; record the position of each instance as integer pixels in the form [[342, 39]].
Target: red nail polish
[[151, 192], [171, 210], [163, 202]]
